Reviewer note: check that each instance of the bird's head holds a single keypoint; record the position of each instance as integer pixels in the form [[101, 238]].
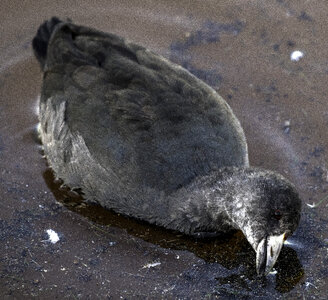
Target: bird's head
[[266, 207]]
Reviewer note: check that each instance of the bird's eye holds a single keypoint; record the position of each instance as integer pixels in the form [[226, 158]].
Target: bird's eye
[[277, 214]]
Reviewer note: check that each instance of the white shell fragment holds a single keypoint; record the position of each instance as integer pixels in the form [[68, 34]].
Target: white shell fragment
[[53, 236], [151, 265], [296, 55]]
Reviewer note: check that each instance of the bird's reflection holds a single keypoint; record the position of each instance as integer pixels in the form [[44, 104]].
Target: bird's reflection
[[231, 250]]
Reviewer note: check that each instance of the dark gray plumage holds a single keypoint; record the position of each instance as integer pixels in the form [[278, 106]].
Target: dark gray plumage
[[142, 136]]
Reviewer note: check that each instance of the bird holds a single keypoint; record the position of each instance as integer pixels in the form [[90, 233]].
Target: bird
[[142, 136]]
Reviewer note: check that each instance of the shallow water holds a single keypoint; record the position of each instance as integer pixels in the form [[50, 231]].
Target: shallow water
[[243, 51]]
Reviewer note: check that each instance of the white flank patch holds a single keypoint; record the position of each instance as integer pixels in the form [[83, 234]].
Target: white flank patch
[[296, 55], [151, 265], [53, 236]]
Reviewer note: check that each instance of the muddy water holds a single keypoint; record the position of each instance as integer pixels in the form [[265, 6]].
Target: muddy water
[[240, 48]]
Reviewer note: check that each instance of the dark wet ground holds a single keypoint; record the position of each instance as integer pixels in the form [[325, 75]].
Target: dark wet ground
[[242, 49]]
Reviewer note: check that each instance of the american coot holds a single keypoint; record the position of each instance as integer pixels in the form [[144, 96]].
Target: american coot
[[144, 137]]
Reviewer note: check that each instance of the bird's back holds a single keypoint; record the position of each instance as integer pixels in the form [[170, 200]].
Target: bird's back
[[148, 123]]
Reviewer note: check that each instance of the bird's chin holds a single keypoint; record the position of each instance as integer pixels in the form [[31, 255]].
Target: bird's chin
[[267, 253]]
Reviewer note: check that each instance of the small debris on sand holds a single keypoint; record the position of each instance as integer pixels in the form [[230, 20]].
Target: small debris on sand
[[296, 55], [286, 126], [151, 265], [53, 236]]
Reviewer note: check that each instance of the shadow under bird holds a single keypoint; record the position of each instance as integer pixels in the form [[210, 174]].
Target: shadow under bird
[[144, 137]]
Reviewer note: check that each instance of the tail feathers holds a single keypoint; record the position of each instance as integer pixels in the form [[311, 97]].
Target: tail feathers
[[41, 40]]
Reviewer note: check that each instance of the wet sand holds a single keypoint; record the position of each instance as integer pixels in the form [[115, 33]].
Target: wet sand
[[240, 48]]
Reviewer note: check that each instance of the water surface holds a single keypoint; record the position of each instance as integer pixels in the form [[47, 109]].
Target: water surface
[[240, 48]]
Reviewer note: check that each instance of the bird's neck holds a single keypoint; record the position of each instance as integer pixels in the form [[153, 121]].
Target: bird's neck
[[211, 203]]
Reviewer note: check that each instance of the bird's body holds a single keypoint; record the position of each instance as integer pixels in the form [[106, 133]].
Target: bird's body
[[142, 136]]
